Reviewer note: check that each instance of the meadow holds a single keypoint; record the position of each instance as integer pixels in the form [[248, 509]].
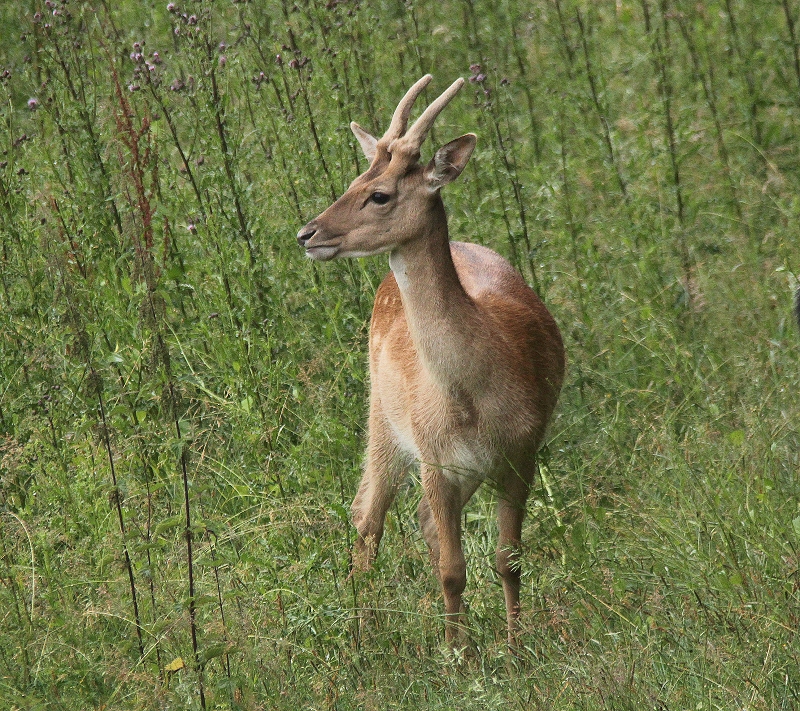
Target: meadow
[[183, 394]]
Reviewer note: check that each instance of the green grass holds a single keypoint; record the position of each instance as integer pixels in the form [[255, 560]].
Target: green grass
[[164, 341]]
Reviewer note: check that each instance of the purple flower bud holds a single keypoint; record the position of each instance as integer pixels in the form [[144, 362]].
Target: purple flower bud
[[170, 7], [192, 228], [37, 16], [223, 60], [33, 103], [192, 19], [279, 60], [294, 64], [133, 87]]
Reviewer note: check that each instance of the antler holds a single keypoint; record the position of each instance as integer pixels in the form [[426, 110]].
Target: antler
[[399, 140], [417, 134], [400, 118]]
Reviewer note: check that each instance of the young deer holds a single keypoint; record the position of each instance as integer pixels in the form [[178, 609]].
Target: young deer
[[465, 361]]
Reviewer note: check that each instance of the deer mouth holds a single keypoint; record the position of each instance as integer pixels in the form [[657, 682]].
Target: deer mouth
[[322, 252]]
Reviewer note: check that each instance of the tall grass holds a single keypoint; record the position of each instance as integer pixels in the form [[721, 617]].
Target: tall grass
[[182, 395]]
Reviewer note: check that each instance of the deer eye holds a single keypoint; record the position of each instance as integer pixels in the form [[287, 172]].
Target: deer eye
[[379, 198]]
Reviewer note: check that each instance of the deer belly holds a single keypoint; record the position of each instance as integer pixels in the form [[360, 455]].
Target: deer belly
[[466, 460], [462, 456]]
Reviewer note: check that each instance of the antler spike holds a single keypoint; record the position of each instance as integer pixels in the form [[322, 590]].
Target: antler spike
[[400, 118], [415, 136]]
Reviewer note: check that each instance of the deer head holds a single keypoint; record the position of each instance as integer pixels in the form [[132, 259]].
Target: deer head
[[391, 203]]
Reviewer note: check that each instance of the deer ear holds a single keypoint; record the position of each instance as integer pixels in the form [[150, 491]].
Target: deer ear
[[449, 161], [365, 140]]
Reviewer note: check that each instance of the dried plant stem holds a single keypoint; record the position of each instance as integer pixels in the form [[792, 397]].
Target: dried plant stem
[[95, 386], [303, 91], [95, 378], [659, 58], [286, 182], [565, 40], [212, 547], [313, 127], [660, 53], [136, 140], [178, 146], [747, 67], [79, 100], [600, 108], [227, 161], [790, 25], [512, 243], [23, 613], [189, 554], [797, 305], [570, 218], [152, 577], [509, 163], [707, 83], [526, 82]]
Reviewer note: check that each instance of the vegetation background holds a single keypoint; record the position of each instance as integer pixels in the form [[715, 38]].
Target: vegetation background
[[182, 393]]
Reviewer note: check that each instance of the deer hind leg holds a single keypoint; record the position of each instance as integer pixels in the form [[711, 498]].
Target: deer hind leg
[[440, 518], [510, 513], [382, 475]]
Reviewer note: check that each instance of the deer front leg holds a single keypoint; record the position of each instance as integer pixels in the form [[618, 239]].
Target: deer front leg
[[378, 487]]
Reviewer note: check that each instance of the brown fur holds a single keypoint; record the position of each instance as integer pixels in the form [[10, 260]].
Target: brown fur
[[466, 363]]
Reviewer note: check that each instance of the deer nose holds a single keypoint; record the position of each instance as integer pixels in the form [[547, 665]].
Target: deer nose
[[305, 234]]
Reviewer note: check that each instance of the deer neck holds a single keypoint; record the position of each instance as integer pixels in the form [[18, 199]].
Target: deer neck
[[442, 318]]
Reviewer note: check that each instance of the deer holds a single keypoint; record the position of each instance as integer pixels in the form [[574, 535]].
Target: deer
[[465, 361]]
